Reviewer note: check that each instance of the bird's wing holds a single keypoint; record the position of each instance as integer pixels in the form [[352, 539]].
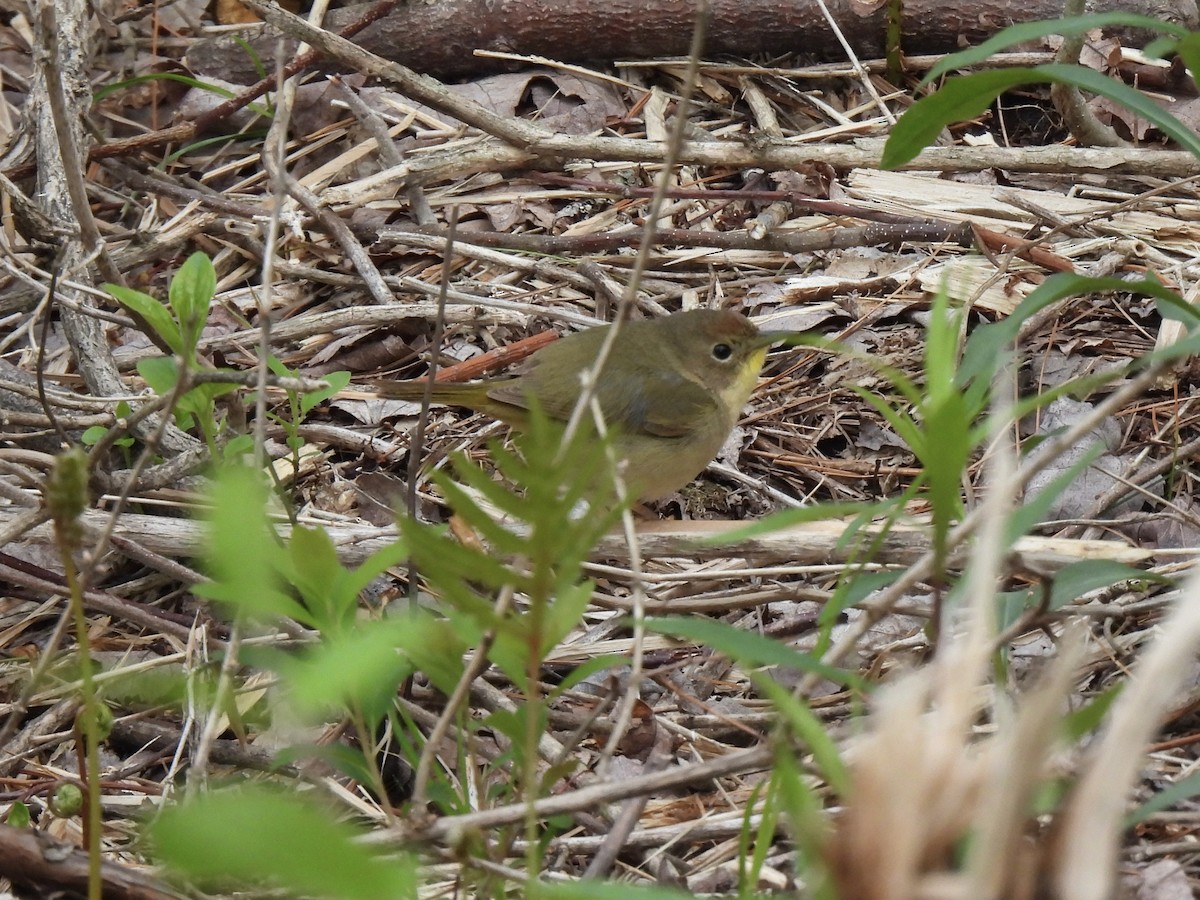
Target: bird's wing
[[645, 400], [667, 405]]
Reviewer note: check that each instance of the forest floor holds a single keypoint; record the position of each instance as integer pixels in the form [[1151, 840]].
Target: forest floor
[[357, 255]]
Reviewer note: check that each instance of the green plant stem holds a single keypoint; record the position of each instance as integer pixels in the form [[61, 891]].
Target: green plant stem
[[538, 598], [90, 717]]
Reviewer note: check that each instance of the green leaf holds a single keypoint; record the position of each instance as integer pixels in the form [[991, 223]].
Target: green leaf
[[811, 732], [354, 581], [899, 421], [587, 668], [240, 446], [336, 380], [435, 553], [254, 836], [1032, 31], [1010, 605], [1074, 580], [164, 687], [515, 724], [565, 612], [356, 669], [156, 315], [347, 760], [249, 135], [242, 551], [810, 825], [749, 648], [753, 843], [1087, 718], [501, 535], [256, 60], [160, 372], [854, 586], [965, 97], [944, 436], [1186, 789], [1036, 507], [18, 815], [434, 646], [110, 89], [315, 570], [190, 295], [278, 367]]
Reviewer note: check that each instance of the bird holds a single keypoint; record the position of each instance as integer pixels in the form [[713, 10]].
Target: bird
[[671, 390]]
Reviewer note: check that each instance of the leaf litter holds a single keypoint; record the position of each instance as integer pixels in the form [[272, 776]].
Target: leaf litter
[[934, 761]]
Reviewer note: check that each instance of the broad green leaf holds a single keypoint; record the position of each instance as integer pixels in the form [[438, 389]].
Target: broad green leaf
[[354, 581], [435, 552], [336, 380], [242, 552], [965, 97], [166, 687], [360, 668], [157, 316], [1010, 605], [160, 372], [1187, 48], [261, 838], [1074, 580], [238, 449], [278, 367], [191, 292], [347, 760], [313, 568], [435, 646], [18, 816], [565, 613], [1032, 31], [586, 669]]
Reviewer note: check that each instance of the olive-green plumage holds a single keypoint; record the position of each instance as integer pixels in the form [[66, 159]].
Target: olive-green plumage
[[671, 390]]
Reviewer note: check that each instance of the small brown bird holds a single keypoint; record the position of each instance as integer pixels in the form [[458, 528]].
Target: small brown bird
[[671, 390]]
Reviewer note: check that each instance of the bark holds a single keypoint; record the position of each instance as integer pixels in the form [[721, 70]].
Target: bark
[[439, 37]]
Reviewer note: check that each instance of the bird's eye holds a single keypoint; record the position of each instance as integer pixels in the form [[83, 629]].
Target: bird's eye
[[722, 352]]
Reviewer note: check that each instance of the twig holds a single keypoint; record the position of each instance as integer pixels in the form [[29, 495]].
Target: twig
[[189, 130]]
